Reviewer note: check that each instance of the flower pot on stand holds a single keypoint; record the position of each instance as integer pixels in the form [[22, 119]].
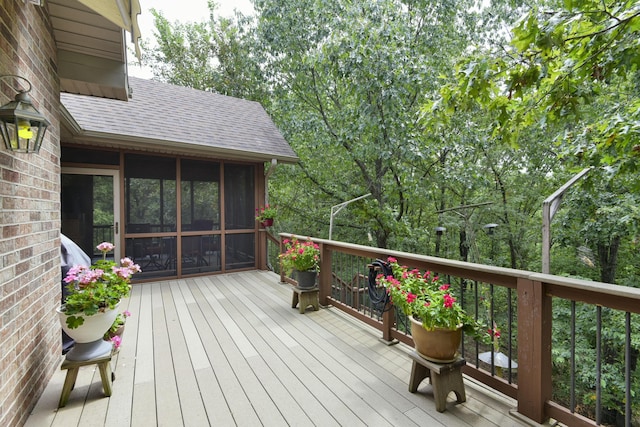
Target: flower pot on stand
[[438, 345], [306, 279], [88, 336]]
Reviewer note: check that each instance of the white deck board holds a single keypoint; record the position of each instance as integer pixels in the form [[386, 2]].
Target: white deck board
[[228, 350]]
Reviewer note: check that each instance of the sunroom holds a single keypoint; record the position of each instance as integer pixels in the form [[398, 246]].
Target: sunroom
[[173, 175]]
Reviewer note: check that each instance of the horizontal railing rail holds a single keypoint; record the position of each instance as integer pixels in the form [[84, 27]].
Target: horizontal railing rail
[[525, 304]]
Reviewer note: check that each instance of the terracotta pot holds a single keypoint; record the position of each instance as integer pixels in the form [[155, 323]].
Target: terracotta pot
[[438, 345], [306, 279]]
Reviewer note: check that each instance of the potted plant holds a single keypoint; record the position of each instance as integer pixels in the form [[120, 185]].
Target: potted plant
[[303, 258], [266, 215], [90, 308], [117, 327], [434, 312]]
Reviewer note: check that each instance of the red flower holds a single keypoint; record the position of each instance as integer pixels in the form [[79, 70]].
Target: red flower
[[495, 332], [449, 300]]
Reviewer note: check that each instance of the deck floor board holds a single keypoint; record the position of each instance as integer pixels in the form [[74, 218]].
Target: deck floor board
[[227, 350]]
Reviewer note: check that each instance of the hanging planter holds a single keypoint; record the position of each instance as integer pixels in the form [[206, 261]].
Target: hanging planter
[[266, 215]]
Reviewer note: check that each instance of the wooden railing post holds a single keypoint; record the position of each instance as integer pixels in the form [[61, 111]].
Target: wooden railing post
[[388, 320], [534, 349], [326, 275], [282, 272]]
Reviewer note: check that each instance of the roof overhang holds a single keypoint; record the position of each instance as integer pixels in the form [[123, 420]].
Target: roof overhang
[[90, 40], [72, 133]]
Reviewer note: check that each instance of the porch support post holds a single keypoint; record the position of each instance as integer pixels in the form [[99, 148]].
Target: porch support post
[[534, 349]]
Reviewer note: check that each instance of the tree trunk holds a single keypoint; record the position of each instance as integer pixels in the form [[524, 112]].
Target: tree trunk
[[608, 257]]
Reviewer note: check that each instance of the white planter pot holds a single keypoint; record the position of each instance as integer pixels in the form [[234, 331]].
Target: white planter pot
[[88, 336]]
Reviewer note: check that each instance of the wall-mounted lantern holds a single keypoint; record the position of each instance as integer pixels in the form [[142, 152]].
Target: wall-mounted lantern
[[22, 127]]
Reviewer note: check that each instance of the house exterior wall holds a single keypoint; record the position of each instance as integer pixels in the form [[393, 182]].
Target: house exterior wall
[[29, 219]]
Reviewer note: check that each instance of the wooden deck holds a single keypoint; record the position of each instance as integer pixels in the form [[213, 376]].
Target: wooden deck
[[229, 350]]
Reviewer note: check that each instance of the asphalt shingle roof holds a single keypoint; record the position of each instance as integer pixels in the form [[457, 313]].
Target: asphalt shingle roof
[[186, 118]]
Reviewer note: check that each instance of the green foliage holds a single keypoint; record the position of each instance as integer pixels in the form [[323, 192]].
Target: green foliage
[[217, 55], [561, 60], [613, 351]]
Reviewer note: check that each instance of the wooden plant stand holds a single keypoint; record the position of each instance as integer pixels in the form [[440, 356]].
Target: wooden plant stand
[[305, 298], [444, 378], [72, 367]]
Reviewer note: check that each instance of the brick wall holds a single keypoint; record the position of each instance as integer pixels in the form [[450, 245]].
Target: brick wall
[[30, 219]]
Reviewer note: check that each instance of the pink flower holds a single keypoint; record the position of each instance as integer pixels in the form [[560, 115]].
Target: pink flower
[[123, 272], [126, 313], [411, 297], [392, 259], [75, 272], [116, 340], [105, 247], [444, 287], [127, 262], [449, 300], [89, 276]]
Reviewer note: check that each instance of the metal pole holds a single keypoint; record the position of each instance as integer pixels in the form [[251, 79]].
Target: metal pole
[[337, 208], [549, 208]]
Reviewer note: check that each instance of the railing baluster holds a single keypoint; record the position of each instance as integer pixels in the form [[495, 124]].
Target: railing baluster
[[573, 358], [492, 321], [598, 364], [510, 332], [627, 370], [477, 303]]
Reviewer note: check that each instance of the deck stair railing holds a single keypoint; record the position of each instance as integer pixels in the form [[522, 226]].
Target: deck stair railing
[[541, 318]]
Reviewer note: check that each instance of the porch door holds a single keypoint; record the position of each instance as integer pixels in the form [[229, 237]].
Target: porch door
[[90, 208]]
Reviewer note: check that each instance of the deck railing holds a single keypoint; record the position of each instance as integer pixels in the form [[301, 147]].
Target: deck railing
[[524, 305]]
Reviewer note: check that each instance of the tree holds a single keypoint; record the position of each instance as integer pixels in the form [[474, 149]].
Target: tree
[[561, 59], [350, 77], [217, 55], [600, 215]]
